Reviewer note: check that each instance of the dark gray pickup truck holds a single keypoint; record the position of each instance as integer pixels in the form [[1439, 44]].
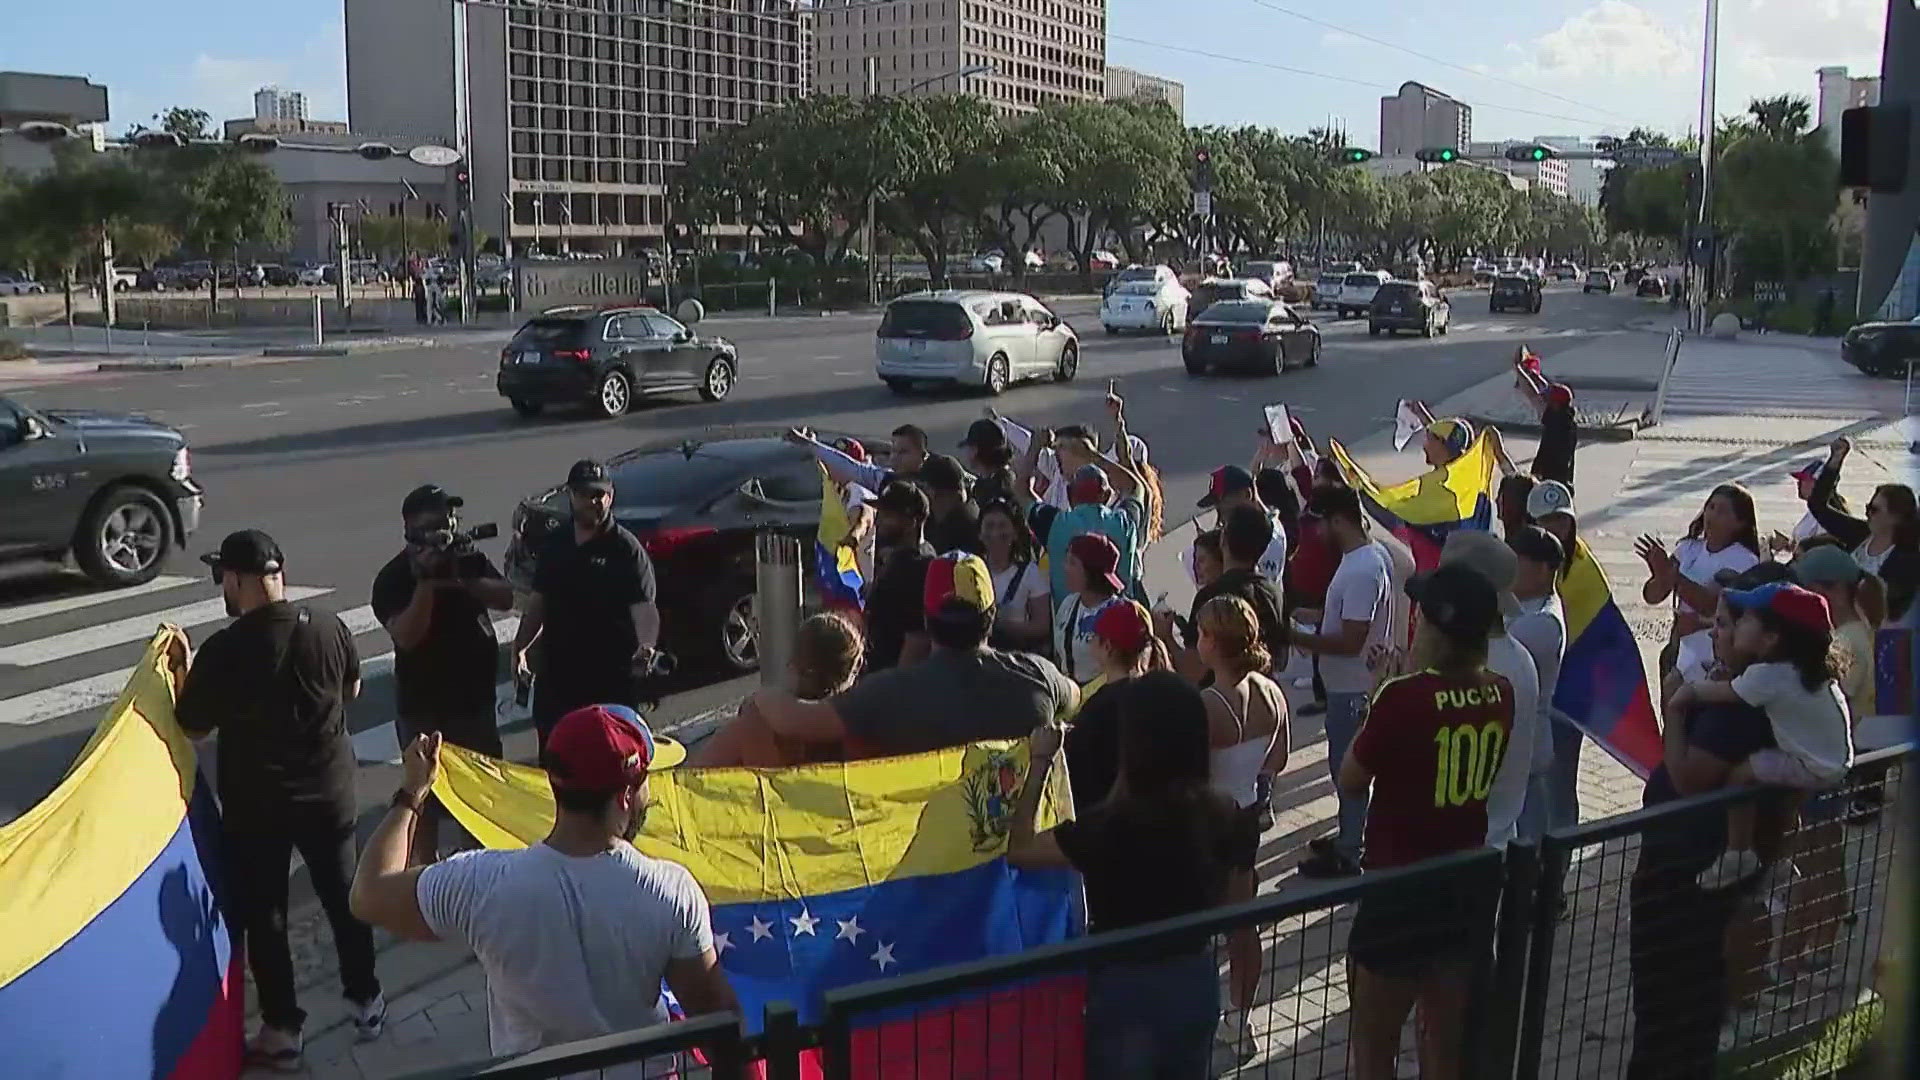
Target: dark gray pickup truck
[[114, 491]]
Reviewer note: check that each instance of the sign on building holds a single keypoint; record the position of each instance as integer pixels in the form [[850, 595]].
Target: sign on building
[[540, 284]]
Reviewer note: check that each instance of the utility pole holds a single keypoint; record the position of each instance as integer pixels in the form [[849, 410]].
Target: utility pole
[[343, 290], [873, 201], [1709, 65]]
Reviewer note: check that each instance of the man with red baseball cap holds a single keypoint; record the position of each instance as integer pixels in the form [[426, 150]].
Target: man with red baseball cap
[[576, 932], [962, 692], [1092, 509], [1559, 432]]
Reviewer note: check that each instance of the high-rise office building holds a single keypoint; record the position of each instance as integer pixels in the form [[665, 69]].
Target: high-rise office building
[[1839, 92], [1126, 84], [273, 103], [574, 117], [1421, 117], [1018, 54]]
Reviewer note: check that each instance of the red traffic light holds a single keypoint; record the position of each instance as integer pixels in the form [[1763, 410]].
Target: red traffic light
[[1202, 156]]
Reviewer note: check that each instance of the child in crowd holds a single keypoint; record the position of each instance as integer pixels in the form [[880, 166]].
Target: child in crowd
[[1796, 683]]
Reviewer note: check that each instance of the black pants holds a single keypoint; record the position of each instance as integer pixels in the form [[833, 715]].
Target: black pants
[[259, 848], [1678, 961]]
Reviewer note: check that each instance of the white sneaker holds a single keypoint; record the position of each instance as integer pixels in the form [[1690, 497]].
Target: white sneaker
[[1731, 868], [276, 1049], [370, 1019]]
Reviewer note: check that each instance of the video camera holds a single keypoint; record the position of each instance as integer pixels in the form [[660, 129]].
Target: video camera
[[450, 552]]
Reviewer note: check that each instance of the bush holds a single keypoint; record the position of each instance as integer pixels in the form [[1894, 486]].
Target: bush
[[12, 350]]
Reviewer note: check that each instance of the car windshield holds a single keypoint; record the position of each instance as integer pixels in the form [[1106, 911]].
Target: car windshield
[[1511, 281], [1239, 311], [1362, 279], [1136, 288], [1596, 273], [550, 334], [1395, 291], [924, 319]]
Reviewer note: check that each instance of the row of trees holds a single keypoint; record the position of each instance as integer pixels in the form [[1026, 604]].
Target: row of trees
[[946, 170]]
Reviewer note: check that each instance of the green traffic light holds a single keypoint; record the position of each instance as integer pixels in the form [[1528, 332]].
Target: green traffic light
[[1447, 154], [1539, 153]]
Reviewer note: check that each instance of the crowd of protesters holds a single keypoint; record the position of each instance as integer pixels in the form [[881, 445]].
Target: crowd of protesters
[[1005, 598]]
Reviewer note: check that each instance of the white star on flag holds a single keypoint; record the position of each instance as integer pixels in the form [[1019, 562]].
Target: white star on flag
[[760, 929], [804, 923], [850, 930], [883, 956], [721, 944]]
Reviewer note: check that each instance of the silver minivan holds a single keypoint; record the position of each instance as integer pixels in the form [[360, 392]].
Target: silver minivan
[[975, 338]]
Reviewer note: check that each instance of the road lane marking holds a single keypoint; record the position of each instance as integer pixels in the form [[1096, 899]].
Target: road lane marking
[[271, 415], [40, 609], [121, 631], [261, 405]]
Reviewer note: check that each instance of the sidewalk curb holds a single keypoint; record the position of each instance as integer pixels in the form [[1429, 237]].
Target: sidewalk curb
[[177, 363], [1622, 432], [307, 350]]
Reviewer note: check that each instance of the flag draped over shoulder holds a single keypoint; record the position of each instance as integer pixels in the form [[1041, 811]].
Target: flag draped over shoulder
[[834, 558], [1423, 510], [1603, 681], [116, 958], [823, 876]]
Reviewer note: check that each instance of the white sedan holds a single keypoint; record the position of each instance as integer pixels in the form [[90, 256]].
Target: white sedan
[[1159, 306], [19, 286]]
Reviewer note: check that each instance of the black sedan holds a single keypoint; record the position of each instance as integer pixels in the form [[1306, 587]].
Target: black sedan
[[1261, 336], [696, 506], [604, 358], [1882, 348], [1651, 285], [1515, 292]]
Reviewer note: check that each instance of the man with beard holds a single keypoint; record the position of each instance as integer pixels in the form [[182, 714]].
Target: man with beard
[[275, 684], [592, 608], [896, 621], [576, 932]]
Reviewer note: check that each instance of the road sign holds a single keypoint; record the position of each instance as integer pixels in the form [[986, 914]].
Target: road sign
[[1769, 292], [1203, 204], [1637, 154], [432, 155]]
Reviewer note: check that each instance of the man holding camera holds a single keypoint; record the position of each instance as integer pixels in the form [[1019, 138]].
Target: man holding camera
[[434, 598], [592, 609]]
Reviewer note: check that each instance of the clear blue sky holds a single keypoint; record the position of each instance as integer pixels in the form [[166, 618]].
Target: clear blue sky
[[1552, 67]]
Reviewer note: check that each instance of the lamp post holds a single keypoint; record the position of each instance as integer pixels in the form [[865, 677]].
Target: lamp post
[[1709, 65]]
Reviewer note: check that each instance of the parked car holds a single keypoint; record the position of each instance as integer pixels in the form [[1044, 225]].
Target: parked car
[[973, 338], [126, 278], [279, 276], [1275, 272], [1356, 292], [1565, 271], [15, 285], [605, 358], [1261, 336], [1103, 260], [696, 507], [1218, 290], [114, 491], [311, 274], [1326, 291], [1515, 292], [1651, 285], [1882, 348], [1409, 305], [1158, 306], [1599, 280], [986, 262]]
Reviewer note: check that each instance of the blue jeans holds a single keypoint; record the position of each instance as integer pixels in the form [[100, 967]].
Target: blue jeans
[[1563, 779], [1345, 713], [1153, 1019]]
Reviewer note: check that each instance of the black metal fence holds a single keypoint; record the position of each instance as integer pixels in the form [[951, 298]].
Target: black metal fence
[[1595, 953]]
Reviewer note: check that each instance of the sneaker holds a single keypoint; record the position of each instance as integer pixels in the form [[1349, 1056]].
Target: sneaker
[[1328, 864], [1304, 682], [1731, 868], [276, 1049], [1263, 798], [369, 1019]]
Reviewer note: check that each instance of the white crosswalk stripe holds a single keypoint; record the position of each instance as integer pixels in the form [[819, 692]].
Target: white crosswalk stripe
[[45, 650], [1779, 382], [41, 609]]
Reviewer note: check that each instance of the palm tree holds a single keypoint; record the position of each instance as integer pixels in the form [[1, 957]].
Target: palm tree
[[1785, 117]]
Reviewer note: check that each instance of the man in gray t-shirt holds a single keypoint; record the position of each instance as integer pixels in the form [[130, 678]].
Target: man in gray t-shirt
[[962, 692]]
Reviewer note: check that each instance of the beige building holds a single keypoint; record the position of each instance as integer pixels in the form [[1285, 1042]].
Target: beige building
[[248, 125], [1550, 174], [1019, 54], [1839, 92], [1420, 117], [1126, 84]]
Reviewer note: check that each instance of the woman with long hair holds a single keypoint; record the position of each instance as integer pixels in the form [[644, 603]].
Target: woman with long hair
[[1021, 604], [1724, 536], [1126, 648], [1886, 542], [1164, 843], [1248, 737], [827, 652]]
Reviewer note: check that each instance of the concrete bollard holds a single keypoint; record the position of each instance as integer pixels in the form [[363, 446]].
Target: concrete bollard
[[1726, 326], [318, 333], [776, 607]]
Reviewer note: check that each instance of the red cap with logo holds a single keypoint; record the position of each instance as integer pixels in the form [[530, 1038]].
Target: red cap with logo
[[605, 748]]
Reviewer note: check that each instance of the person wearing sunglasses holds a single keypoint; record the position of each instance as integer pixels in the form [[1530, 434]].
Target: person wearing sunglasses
[[1886, 542]]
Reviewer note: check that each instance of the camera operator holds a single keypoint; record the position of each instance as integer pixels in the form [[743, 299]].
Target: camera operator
[[433, 598], [592, 609]]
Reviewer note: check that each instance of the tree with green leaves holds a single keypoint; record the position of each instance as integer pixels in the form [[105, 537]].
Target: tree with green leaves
[[231, 200], [941, 142], [396, 237], [1126, 170], [59, 219], [1022, 182], [1774, 192]]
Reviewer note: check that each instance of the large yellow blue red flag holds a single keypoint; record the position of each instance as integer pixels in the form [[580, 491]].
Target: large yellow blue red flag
[[823, 876], [116, 958], [1603, 681], [1423, 510], [835, 560]]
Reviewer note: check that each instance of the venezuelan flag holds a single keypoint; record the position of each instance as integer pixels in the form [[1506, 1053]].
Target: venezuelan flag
[[1603, 682], [1423, 510], [823, 876], [833, 556], [116, 960]]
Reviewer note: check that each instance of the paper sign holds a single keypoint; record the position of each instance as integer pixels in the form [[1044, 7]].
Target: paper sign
[[1406, 424], [1279, 425]]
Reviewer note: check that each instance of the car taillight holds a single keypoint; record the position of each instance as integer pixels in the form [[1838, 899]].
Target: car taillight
[[1248, 335], [1149, 305], [581, 355], [182, 464], [663, 542]]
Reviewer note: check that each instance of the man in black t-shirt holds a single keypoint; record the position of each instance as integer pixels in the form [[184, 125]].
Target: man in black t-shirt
[[275, 684], [434, 603], [593, 608], [953, 523], [896, 622]]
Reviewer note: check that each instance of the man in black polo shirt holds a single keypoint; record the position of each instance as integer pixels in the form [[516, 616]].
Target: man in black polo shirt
[[592, 608], [953, 523], [446, 659], [895, 614], [275, 684]]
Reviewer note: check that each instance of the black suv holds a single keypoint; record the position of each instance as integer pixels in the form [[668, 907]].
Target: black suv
[[1882, 348], [1515, 292], [696, 506], [1409, 305], [604, 358], [115, 491]]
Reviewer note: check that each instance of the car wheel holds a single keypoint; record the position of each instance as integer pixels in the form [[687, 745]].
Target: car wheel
[[733, 629], [124, 538], [614, 395], [999, 376], [1113, 331], [900, 386], [1372, 330], [526, 408], [1278, 365], [1069, 364], [1313, 353], [1195, 368], [719, 381]]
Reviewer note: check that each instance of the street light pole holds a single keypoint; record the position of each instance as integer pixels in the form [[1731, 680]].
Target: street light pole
[[1709, 65], [873, 230]]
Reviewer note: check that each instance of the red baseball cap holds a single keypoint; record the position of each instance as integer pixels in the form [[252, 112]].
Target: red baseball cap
[[1089, 485], [1807, 610], [1124, 625], [1099, 557], [1559, 394], [851, 447], [605, 748]]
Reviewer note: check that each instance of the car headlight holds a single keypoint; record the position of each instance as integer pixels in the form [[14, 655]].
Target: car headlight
[[182, 465]]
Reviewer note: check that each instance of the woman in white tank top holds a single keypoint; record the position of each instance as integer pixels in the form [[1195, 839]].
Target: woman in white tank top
[[1246, 723]]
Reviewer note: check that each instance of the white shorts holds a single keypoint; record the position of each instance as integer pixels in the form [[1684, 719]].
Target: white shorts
[[1779, 768]]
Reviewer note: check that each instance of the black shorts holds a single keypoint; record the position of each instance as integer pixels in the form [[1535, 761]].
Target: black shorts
[[1403, 934], [475, 731]]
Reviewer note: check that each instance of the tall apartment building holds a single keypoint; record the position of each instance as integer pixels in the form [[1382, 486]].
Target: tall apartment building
[[1420, 116], [1839, 92], [1550, 174], [1583, 177], [1019, 54], [1126, 84], [273, 103], [574, 118]]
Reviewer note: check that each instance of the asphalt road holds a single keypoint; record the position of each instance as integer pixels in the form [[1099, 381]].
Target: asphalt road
[[319, 453]]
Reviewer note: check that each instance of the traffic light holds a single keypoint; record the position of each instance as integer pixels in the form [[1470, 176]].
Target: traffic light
[[1354, 155], [1437, 155], [1203, 167], [1875, 144], [1529, 152]]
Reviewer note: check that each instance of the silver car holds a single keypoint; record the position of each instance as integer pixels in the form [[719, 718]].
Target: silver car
[[974, 338]]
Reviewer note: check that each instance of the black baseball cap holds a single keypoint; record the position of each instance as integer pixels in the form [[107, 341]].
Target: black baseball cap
[[942, 472], [1538, 545], [248, 551], [1226, 480], [589, 475], [1459, 601], [984, 435], [1335, 500], [901, 497], [429, 497]]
